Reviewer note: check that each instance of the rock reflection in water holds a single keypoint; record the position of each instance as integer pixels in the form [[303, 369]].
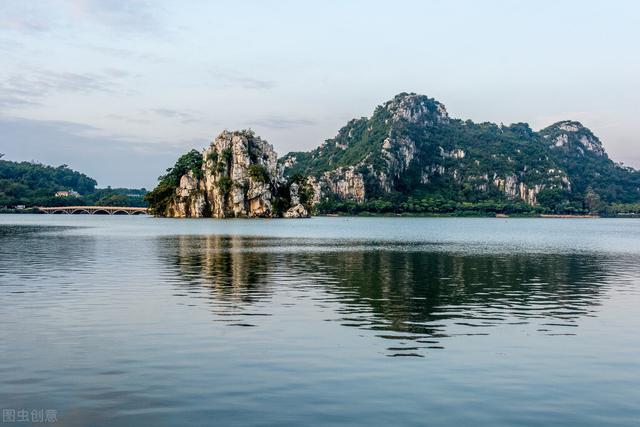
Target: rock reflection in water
[[416, 298]]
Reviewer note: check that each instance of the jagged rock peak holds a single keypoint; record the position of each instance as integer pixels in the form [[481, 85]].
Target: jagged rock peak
[[569, 126], [568, 134], [235, 176], [418, 109], [242, 148]]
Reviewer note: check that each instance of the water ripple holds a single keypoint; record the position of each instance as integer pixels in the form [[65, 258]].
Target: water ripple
[[110, 326]]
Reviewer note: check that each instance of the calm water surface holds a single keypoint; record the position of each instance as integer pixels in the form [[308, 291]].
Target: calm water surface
[[130, 321]]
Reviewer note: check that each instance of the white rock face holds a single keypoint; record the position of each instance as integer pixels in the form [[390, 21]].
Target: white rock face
[[507, 185], [528, 195], [234, 153], [591, 144], [514, 188], [293, 194], [561, 140], [399, 153], [189, 202], [297, 211], [417, 109], [317, 190], [453, 154], [345, 183], [569, 127], [227, 187], [577, 136]]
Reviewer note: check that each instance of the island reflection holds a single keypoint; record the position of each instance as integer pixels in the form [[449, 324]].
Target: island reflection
[[401, 293]]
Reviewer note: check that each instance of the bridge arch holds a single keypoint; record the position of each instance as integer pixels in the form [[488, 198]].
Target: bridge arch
[[94, 210]]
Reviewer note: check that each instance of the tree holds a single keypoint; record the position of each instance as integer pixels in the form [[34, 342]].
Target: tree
[[592, 201], [552, 198], [258, 172], [160, 197]]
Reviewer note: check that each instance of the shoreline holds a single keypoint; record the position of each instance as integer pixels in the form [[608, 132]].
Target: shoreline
[[407, 215], [498, 216]]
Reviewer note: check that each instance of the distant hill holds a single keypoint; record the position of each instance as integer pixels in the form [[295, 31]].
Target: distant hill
[[410, 156], [34, 184]]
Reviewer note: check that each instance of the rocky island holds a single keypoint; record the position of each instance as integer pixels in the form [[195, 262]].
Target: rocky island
[[236, 176], [408, 157]]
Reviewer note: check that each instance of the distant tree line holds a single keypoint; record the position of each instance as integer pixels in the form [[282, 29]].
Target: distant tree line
[[549, 202], [33, 184]]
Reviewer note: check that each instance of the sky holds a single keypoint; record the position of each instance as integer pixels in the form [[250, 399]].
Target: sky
[[119, 89]]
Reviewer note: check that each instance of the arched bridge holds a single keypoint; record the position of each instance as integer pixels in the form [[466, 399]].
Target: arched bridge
[[94, 210]]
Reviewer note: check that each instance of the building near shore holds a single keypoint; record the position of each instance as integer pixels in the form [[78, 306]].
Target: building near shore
[[67, 193]]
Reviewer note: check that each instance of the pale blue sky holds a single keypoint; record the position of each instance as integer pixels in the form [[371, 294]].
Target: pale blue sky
[[118, 89]]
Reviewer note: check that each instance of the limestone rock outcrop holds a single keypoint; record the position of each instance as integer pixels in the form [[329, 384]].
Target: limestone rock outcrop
[[570, 135], [297, 211], [409, 149], [411, 145], [238, 177]]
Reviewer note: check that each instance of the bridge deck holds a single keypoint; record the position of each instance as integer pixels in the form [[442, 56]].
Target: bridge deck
[[93, 210]]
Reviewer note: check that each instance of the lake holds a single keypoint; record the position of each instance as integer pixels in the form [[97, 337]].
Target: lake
[[130, 321]]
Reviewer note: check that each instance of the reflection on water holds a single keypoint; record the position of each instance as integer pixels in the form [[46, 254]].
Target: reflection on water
[[134, 321], [415, 299]]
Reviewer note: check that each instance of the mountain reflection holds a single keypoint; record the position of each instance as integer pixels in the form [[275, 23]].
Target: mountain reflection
[[222, 265], [401, 293]]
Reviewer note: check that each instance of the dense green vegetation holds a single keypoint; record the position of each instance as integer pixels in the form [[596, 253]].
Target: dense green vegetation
[[161, 196], [457, 166], [33, 184], [225, 184], [258, 173], [440, 205], [118, 197]]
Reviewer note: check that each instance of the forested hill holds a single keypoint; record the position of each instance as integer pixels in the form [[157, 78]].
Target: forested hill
[[34, 184], [410, 156]]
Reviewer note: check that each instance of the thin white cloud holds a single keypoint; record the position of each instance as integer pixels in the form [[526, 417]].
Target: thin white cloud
[[25, 17], [120, 53], [184, 116], [230, 78], [122, 15], [24, 25], [127, 119], [275, 122], [30, 87]]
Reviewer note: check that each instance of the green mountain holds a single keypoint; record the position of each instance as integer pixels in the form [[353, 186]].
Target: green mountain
[[33, 184], [410, 156]]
